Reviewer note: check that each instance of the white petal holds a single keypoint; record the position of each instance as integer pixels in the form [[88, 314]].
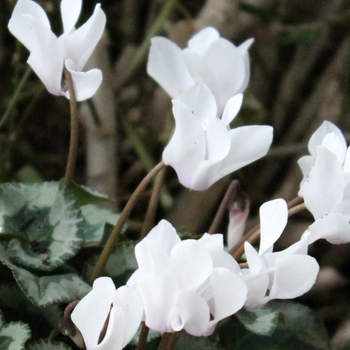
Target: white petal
[[248, 143], [254, 260], [167, 67], [318, 136], [305, 163], [273, 220], [243, 49], [229, 294], [91, 312], [203, 39], [294, 277], [131, 304], [20, 28], [190, 312], [336, 145], [200, 101], [83, 41], [70, 11], [257, 285], [236, 225], [187, 147], [224, 60], [192, 263], [232, 108], [46, 57], [85, 83], [323, 189], [334, 228], [218, 139], [215, 247]]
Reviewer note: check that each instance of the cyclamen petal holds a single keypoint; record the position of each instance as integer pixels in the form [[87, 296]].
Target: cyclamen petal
[[202, 149], [30, 25], [183, 291], [215, 61]]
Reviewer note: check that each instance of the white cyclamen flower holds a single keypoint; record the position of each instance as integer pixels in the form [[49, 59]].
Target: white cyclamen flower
[[49, 53], [215, 61], [203, 148], [190, 285], [283, 275], [108, 318], [326, 185]]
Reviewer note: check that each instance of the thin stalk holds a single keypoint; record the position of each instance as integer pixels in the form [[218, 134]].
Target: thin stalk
[[113, 238], [142, 51], [15, 96], [253, 235], [230, 193], [143, 337], [74, 126], [168, 341], [153, 203]]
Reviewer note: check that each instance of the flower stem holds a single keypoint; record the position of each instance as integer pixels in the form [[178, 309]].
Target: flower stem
[[230, 193], [168, 341], [153, 203], [253, 235], [74, 125], [113, 238], [143, 337]]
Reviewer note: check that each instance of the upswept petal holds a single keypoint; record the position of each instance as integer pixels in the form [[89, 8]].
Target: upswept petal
[[317, 137], [158, 292], [200, 101], [232, 108], [153, 252], [192, 264], [273, 220], [187, 147], [336, 145], [305, 163], [214, 245], [229, 294], [333, 227], [85, 83], [130, 302], [92, 311], [20, 28], [257, 285], [293, 277], [248, 143], [203, 39], [45, 43], [70, 12], [167, 67], [243, 49], [218, 139], [323, 188], [254, 260], [228, 71], [80, 44], [190, 312]]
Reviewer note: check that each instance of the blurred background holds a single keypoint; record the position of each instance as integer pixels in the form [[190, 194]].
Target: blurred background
[[300, 76]]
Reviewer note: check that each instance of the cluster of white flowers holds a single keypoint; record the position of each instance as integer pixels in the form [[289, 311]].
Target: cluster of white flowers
[[193, 284]]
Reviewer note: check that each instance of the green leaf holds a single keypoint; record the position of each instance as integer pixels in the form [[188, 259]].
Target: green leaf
[[46, 290], [260, 321], [85, 195], [13, 335], [96, 219], [298, 328], [48, 220], [121, 264], [48, 345]]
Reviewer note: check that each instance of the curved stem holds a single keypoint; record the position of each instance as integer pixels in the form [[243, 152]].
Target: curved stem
[[230, 193], [74, 125], [168, 341], [113, 238], [153, 203], [254, 234]]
